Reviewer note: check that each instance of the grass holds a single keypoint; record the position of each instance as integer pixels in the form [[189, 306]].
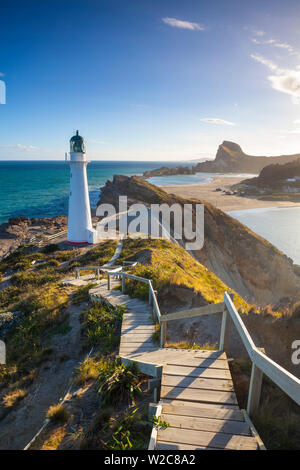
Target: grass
[[156, 334], [33, 279], [119, 383], [82, 294], [12, 398], [61, 329], [100, 326], [55, 438], [98, 256], [89, 369], [58, 414], [169, 266], [277, 419]]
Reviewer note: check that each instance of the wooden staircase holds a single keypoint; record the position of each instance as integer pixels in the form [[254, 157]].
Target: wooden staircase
[[197, 397]]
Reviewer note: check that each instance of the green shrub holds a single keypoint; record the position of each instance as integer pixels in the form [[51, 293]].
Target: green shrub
[[8, 296], [100, 325], [25, 279], [50, 248], [87, 370], [82, 294], [66, 255], [58, 414], [119, 383]]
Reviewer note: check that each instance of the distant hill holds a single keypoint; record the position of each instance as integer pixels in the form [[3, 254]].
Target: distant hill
[[230, 158], [278, 176]]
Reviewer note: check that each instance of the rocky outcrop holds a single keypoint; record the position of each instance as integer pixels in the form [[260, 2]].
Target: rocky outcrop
[[244, 261], [167, 171], [20, 230], [230, 158]]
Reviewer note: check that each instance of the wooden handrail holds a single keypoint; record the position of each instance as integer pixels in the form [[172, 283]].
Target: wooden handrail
[[194, 312], [261, 363], [152, 295]]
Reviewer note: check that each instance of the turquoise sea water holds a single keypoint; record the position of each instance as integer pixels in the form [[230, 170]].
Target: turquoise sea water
[[278, 225], [40, 188]]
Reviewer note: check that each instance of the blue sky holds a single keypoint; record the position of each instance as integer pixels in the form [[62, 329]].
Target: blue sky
[[149, 79]]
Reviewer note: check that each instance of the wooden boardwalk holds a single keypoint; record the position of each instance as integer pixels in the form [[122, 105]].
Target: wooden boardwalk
[[197, 396]]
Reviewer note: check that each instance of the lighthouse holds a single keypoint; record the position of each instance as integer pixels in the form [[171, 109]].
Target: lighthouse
[[80, 228]]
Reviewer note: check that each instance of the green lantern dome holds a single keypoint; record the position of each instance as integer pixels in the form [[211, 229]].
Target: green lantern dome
[[77, 143]]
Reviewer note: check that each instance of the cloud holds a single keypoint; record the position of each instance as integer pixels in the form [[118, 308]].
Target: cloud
[[297, 121], [1, 74], [280, 45], [217, 121], [284, 80], [295, 131], [258, 32], [183, 24], [268, 63], [287, 82], [27, 148]]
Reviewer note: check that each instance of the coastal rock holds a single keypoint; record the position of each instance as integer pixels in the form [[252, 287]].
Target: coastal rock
[[19, 230], [167, 171]]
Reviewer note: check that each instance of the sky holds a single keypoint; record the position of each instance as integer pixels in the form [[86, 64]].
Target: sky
[[149, 79]]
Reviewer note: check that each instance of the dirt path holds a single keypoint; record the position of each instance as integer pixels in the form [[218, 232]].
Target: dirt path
[[52, 382]]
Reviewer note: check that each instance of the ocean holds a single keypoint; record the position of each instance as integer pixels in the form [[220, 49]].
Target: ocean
[[279, 225], [41, 188]]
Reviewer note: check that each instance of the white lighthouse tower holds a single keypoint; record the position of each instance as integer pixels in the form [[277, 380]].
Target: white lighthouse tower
[[80, 229]]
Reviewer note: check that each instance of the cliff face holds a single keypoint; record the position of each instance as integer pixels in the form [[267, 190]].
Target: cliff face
[[230, 158], [241, 259]]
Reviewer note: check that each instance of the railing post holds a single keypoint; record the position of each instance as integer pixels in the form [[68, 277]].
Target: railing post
[[98, 274], [163, 333], [254, 389], [108, 281], [225, 328], [225, 331], [150, 294], [123, 284]]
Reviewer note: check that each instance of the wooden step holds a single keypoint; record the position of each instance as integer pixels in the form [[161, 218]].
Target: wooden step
[[198, 395], [202, 410], [207, 424], [175, 446], [197, 383], [197, 372], [207, 439]]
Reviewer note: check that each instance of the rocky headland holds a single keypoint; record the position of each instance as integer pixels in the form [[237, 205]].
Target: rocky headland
[[230, 158], [243, 260]]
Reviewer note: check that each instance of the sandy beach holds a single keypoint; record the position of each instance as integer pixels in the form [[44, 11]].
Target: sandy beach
[[207, 192]]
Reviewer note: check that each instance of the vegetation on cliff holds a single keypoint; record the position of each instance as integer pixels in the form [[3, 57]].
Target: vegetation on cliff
[[240, 258], [171, 267]]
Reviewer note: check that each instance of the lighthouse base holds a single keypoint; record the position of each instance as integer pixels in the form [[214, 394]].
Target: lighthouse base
[[91, 238]]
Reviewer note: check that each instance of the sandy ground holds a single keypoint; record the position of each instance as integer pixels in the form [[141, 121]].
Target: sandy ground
[[54, 377], [207, 192]]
